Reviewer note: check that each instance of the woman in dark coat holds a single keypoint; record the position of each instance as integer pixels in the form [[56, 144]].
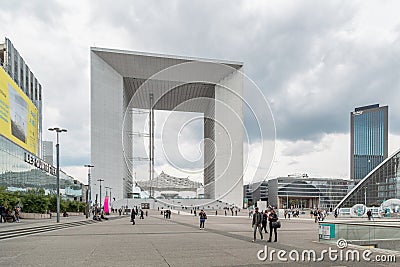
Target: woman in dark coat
[[133, 215], [273, 217]]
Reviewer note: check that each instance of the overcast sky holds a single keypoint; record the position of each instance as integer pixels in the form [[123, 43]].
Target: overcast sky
[[314, 61]]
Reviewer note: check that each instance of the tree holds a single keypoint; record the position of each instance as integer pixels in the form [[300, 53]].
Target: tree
[[35, 201]]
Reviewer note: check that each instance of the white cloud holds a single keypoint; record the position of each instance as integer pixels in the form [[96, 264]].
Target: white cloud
[[314, 60]]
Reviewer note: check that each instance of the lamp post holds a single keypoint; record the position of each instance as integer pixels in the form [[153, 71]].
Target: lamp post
[[58, 130], [365, 195], [100, 180], [89, 191]]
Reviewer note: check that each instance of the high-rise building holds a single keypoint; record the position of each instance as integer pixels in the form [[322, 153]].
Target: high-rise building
[[47, 151], [369, 139], [21, 164], [17, 69]]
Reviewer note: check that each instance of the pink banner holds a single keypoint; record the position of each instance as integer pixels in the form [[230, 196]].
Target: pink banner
[[106, 207]]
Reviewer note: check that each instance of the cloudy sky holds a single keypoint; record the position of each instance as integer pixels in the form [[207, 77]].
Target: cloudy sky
[[314, 61]]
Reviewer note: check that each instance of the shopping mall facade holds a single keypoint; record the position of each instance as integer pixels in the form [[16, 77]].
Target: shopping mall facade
[[21, 164], [299, 192]]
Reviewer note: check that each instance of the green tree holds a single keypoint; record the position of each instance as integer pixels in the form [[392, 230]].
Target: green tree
[[35, 201], [9, 199]]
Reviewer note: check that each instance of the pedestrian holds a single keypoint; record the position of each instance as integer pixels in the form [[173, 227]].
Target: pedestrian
[[273, 217], [195, 213], [285, 214], [264, 221], [2, 213], [235, 212], [16, 214], [289, 213], [225, 212], [147, 213], [256, 224], [315, 216], [203, 218], [141, 214], [369, 214], [133, 216]]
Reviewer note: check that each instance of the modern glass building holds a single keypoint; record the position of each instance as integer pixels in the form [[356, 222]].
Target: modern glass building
[[21, 166], [301, 192], [379, 185], [369, 139], [21, 171], [18, 70]]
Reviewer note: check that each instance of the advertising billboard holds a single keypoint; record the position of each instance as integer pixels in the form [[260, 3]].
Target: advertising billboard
[[18, 115]]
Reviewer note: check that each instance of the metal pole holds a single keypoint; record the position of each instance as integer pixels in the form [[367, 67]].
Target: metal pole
[[100, 180], [365, 196], [58, 130], [287, 201], [58, 179], [151, 143], [89, 191]]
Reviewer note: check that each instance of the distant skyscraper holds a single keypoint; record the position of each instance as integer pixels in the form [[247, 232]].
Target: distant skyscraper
[[47, 150], [369, 139]]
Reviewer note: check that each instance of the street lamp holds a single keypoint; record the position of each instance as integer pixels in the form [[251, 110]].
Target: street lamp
[[89, 191], [58, 130], [100, 180], [365, 195]]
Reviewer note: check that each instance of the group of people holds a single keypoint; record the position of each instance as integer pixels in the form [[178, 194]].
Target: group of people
[[291, 213], [9, 215], [260, 221], [319, 215], [166, 213], [137, 212]]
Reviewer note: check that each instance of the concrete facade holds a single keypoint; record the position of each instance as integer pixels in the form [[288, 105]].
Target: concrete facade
[[123, 80]]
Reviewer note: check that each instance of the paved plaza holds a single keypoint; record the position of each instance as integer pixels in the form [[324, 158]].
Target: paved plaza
[[155, 241]]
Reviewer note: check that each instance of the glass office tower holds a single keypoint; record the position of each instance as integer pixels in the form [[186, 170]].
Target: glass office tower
[[369, 139]]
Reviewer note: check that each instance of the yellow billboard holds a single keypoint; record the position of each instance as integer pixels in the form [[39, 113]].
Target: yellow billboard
[[18, 115]]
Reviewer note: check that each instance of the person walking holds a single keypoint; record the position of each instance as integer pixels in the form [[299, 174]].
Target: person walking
[[141, 214], [315, 215], [133, 216], [2, 213], [256, 224], [369, 214], [203, 218], [264, 221], [273, 217]]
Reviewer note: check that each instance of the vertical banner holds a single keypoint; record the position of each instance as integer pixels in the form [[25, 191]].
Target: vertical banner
[[106, 205]]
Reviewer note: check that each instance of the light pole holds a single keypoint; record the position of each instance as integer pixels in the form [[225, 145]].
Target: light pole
[[100, 180], [58, 130], [365, 195], [89, 191]]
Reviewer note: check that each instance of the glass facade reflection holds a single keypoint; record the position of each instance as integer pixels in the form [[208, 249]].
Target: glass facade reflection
[[18, 175], [369, 139], [299, 192], [381, 184]]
